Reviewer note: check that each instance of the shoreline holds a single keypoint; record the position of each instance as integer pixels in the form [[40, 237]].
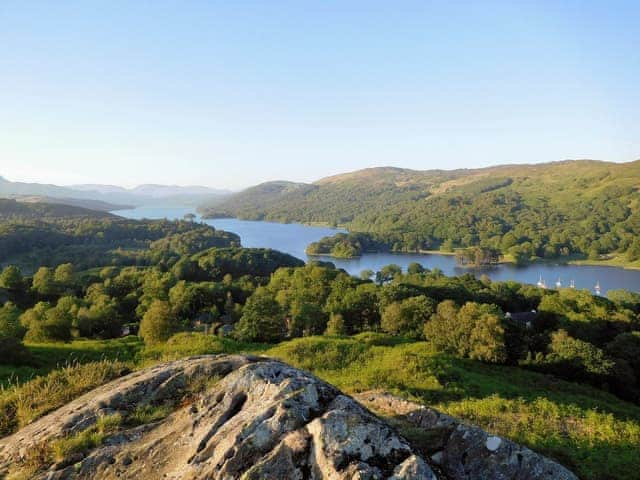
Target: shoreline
[[612, 262]]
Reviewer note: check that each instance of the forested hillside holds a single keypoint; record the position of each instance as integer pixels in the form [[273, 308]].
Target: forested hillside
[[35, 234], [562, 209]]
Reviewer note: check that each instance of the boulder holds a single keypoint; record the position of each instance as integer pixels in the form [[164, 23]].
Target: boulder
[[466, 452]]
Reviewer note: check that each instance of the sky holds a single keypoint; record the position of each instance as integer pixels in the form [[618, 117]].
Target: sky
[[232, 93]]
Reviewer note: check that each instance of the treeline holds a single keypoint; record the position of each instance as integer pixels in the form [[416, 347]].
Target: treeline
[[59, 304]]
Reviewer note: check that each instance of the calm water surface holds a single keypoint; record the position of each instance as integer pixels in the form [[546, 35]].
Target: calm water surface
[[294, 238]]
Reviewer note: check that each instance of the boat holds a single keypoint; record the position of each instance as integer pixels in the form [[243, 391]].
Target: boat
[[541, 283], [558, 283], [597, 288], [572, 284]]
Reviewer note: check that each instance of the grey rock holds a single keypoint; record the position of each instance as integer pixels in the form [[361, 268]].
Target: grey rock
[[466, 452]]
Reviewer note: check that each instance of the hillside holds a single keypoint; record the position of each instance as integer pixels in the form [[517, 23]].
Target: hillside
[[562, 209], [33, 234], [87, 203], [13, 210]]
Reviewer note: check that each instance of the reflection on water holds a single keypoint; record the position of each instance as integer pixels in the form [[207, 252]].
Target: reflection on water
[[293, 239]]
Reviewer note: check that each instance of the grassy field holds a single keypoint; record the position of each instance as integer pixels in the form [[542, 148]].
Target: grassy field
[[51, 356], [593, 433]]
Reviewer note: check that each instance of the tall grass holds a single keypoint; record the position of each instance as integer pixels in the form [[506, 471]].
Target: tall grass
[[20, 404]]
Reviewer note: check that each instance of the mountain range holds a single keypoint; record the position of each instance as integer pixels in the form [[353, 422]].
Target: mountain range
[[110, 197]]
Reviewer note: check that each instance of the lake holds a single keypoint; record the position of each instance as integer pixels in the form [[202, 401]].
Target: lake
[[293, 239]]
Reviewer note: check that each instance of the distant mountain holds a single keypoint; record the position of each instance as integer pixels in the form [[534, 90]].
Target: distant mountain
[[21, 188], [94, 187], [97, 205], [153, 190], [558, 209], [169, 195], [13, 210]]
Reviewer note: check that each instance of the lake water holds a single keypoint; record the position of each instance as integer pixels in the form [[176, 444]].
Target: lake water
[[294, 238]]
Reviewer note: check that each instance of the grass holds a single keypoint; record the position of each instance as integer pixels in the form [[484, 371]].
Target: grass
[[52, 356], [63, 449], [590, 431], [21, 404], [87, 439], [145, 414]]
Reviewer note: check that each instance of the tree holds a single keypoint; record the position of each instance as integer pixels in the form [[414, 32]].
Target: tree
[[488, 339], [306, 318], [473, 331], [189, 217], [358, 306], [626, 346], [158, 323], [12, 351], [633, 252], [366, 274], [64, 274], [408, 316], [414, 268], [262, 319], [10, 322], [387, 273], [11, 279], [43, 282], [583, 356], [45, 323], [335, 325], [447, 246]]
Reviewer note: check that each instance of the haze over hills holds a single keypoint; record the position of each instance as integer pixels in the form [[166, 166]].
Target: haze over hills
[[110, 196], [553, 209]]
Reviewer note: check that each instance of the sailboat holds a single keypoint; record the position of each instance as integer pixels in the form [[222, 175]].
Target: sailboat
[[597, 288], [558, 283], [572, 284], [541, 283]]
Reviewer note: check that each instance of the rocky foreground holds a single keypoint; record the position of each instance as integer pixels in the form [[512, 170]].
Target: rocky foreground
[[232, 416]]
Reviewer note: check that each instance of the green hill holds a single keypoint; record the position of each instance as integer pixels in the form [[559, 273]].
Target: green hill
[[34, 234], [579, 208]]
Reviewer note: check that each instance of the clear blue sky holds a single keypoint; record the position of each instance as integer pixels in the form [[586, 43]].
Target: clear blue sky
[[231, 93]]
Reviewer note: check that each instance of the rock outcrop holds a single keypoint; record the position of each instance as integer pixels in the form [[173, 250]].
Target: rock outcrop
[[245, 417], [465, 452]]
